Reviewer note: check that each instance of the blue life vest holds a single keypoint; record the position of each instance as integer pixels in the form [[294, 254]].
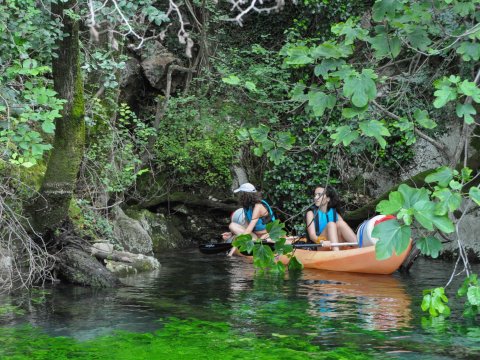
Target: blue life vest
[[321, 219], [263, 221]]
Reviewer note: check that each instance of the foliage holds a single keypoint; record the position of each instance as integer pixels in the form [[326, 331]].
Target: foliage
[[28, 106], [117, 143], [89, 223], [264, 258], [434, 301], [195, 147], [471, 289]]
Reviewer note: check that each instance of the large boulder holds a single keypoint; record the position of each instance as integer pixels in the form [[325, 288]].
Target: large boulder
[[469, 229], [155, 62], [131, 234], [160, 228]]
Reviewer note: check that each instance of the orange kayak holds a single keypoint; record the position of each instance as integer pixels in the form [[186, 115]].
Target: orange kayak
[[360, 260]]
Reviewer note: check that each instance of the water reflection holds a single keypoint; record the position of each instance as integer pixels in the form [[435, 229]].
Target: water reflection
[[380, 302]]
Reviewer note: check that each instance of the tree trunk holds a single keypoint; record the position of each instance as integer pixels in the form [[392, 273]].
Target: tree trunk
[[51, 207]]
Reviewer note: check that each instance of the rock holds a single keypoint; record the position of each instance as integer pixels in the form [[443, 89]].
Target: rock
[[469, 229], [141, 263], [131, 233], [77, 267], [155, 62], [131, 82], [103, 247]]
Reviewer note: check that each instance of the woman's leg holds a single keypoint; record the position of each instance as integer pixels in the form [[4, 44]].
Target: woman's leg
[[345, 232], [331, 233]]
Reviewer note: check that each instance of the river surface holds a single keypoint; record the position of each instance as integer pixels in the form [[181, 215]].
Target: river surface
[[306, 315]]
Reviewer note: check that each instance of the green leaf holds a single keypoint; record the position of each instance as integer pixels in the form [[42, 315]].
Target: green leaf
[[474, 194], [251, 86], [473, 295], [327, 50], [299, 55], [345, 135], [443, 175], [466, 111], [231, 80], [326, 66], [418, 38], [430, 246], [385, 8], [243, 135], [392, 205], [276, 230], [276, 155], [349, 113], [412, 195], [285, 140], [392, 237], [386, 45], [421, 116], [469, 50], [259, 134], [444, 95], [48, 127], [424, 212], [360, 88], [469, 88], [294, 264], [376, 129], [449, 201], [320, 101]]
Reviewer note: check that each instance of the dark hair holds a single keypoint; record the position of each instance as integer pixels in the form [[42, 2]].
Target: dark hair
[[249, 199], [332, 194]]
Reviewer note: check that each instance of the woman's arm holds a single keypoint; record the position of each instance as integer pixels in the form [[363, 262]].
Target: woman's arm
[[311, 226], [256, 214]]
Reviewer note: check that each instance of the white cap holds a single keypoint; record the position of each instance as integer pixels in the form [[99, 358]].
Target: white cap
[[247, 187]]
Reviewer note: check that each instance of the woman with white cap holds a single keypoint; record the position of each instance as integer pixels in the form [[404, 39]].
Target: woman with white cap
[[258, 213]]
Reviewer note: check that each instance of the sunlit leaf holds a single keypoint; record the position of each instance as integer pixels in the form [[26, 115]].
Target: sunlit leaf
[[430, 246], [392, 237], [466, 111], [474, 194], [360, 88], [449, 201], [376, 129], [443, 175], [392, 205], [421, 116], [344, 135]]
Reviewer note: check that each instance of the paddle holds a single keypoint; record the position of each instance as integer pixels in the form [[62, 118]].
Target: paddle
[[223, 247]]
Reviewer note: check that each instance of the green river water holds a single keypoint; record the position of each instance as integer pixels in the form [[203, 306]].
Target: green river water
[[213, 307]]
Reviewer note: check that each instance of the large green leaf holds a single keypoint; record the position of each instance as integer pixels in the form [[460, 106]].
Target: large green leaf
[[470, 88], [259, 134], [473, 295], [327, 65], [430, 246], [392, 237], [424, 212], [328, 50], [360, 88], [276, 230], [385, 8], [412, 195], [276, 155], [392, 205], [345, 135], [469, 50], [474, 194], [231, 80], [285, 140], [449, 201], [418, 38], [444, 95], [319, 101], [443, 175], [421, 116], [349, 113], [299, 55], [376, 129], [386, 45], [466, 111]]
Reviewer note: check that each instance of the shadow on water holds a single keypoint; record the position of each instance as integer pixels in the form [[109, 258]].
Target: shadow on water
[[220, 299]]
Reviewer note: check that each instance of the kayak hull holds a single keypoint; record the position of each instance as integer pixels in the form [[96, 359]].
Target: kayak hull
[[360, 260]]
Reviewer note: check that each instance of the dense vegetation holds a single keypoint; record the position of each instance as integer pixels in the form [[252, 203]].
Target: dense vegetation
[[321, 92]]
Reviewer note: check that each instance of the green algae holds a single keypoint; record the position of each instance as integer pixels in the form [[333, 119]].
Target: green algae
[[177, 339]]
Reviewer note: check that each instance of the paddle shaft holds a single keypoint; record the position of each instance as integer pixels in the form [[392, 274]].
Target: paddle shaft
[[222, 247]]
